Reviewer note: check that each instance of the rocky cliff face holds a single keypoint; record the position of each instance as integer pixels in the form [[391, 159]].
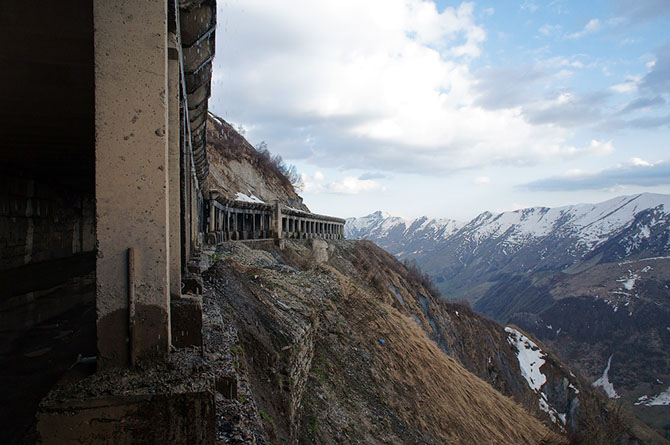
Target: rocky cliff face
[[239, 172], [336, 355], [343, 344]]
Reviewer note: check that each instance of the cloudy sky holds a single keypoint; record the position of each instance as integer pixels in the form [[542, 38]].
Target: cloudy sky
[[448, 109]]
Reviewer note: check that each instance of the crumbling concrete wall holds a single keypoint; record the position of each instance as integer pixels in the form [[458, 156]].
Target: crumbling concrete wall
[[40, 221], [175, 418], [47, 291]]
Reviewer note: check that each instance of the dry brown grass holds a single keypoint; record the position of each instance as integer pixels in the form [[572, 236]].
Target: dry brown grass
[[359, 390], [416, 377]]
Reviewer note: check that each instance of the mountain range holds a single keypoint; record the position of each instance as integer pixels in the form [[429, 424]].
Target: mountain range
[[590, 280]]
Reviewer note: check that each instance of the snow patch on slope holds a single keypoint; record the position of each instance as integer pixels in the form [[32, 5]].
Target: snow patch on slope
[[530, 356], [604, 382], [663, 399], [245, 198], [531, 359]]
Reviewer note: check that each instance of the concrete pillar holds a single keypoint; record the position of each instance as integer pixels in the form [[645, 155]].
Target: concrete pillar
[[174, 170], [131, 156], [185, 197], [277, 220], [253, 224], [246, 224], [261, 227], [212, 212]]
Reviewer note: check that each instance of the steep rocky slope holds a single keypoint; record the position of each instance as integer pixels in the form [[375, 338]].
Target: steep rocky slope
[[239, 171], [589, 280], [343, 344]]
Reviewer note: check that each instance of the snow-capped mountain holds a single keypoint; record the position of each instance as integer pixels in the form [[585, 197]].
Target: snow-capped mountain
[[590, 280], [525, 240], [397, 235]]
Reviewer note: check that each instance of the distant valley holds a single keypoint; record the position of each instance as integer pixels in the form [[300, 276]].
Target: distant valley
[[590, 280]]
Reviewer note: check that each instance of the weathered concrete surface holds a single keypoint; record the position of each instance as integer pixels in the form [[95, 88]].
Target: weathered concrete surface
[[174, 137], [131, 176], [167, 402], [186, 314], [183, 418]]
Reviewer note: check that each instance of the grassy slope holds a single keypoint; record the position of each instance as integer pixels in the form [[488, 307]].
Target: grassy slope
[[311, 335]]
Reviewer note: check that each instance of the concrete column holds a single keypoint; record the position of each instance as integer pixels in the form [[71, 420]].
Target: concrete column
[[212, 213], [185, 195], [253, 224], [278, 219], [131, 156], [246, 223], [226, 224], [174, 170]]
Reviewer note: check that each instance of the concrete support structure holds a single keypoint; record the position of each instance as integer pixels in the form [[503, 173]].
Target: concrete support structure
[[132, 181], [174, 168], [150, 164], [103, 207], [240, 220]]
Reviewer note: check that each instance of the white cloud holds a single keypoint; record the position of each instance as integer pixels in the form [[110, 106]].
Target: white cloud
[[482, 180], [353, 186], [591, 27], [629, 85], [315, 184], [636, 172], [395, 92], [637, 162], [548, 30], [594, 148], [624, 87], [529, 5]]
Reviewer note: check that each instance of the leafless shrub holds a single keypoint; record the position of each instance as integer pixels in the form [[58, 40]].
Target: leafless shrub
[[417, 276], [277, 165]]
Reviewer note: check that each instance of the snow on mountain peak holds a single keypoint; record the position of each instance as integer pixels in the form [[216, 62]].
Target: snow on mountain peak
[[588, 225]]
